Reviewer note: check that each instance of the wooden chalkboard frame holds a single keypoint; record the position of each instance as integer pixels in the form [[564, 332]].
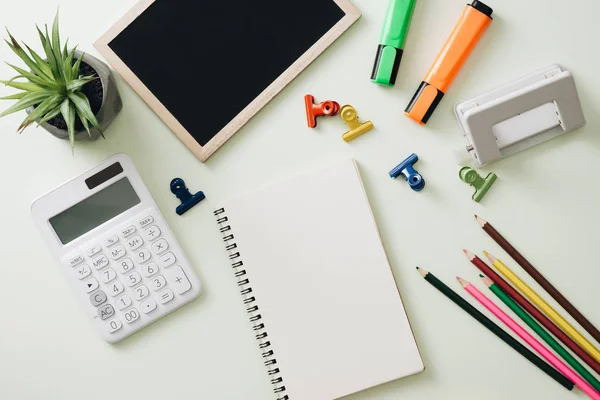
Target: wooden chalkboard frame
[[204, 152]]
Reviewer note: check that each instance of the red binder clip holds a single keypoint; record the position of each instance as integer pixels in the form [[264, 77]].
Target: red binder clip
[[328, 108]]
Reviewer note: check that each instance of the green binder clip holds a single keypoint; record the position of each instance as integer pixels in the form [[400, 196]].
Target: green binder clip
[[470, 176]]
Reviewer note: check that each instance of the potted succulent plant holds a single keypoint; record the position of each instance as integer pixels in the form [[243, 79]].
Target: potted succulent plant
[[70, 94]]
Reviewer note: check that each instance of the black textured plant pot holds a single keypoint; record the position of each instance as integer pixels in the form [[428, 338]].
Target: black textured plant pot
[[111, 103]]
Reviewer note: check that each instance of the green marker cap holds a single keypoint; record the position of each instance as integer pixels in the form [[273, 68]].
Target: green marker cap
[[393, 36]]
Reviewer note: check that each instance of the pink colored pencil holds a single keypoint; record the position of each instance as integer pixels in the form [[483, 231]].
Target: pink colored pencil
[[530, 340]]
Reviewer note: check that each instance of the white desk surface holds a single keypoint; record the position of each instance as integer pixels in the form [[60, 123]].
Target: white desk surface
[[546, 202]]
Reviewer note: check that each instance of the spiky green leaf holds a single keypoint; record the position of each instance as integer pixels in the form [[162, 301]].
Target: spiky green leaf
[[84, 121], [67, 109], [14, 78], [49, 116], [66, 49], [28, 86], [42, 36], [52, 62], [30, 99], [49, 104], [75, 72], [82, 103], [56, 41], [18, 50], [16, 96], [50, 84], [41, 63], [77, 84], [68, 66]]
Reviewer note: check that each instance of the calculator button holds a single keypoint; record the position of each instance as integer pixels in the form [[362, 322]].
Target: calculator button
[[140, 292], [91, 285], [152, 233], [83, 271], [125, 265], [166, 260], [135, 242], [128, 231], [160, 246], [142, 256], [131, 315], [158, 283], [150, 269], [94, 250], [123, 302], [166, 296], [177, 279], [117, 252], [76, 260], [115, 289], [146, 221], [133, 279], [108, 275], [106, 312], [114, 325], [148, 306], [100, 262], [111, 240], [98, 298]]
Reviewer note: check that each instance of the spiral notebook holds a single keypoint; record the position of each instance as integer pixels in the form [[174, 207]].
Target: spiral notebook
[[318, 287]]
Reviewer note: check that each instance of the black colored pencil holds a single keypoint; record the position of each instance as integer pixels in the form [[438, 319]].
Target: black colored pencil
[[495, 329]]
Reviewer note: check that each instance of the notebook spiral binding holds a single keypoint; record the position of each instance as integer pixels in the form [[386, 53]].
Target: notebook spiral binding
[[251, 307]]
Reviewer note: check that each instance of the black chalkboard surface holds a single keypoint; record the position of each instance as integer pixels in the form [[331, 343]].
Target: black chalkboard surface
[[206, 67]]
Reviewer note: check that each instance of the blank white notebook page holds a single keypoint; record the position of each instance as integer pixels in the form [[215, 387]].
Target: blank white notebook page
[[323, 284]]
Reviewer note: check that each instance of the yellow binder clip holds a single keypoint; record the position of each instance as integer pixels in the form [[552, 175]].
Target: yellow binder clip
[[350, 117]]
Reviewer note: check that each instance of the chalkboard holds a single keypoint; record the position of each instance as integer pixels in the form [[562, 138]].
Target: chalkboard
[[207, 67]]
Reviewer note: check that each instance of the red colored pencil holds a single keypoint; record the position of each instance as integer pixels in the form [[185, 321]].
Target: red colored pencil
[[533, 311], [539, 278]]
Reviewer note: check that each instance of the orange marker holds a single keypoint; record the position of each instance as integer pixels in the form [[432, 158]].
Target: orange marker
[[473, 22]]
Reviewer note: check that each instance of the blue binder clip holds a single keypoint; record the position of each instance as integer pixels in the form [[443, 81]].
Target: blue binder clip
[[414, 179], [187, 199]]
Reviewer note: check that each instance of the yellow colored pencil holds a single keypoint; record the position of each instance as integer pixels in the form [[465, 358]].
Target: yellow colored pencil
[[544, 307]]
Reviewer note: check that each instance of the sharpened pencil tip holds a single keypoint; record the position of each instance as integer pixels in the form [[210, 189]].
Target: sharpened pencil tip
[[487, 281], [422, 272], [481, 275], [462, 281], [469, 255], [490, 257], [480, 220]]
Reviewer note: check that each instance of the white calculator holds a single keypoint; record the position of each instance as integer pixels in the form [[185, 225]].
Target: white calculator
[[116, 249]]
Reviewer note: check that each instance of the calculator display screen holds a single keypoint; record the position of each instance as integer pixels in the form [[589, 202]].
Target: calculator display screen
[[94, 211]]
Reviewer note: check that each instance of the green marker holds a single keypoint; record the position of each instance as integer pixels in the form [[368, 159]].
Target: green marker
[[584, 373], [393, 36]]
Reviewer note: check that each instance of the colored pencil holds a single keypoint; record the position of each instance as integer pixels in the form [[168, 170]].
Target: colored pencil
[[539, 278], [545, 307], [495, 329], [562, 352], [533, 311], [530, 340]]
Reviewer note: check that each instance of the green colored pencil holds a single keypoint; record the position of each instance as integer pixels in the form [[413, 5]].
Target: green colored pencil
[[505, 298]]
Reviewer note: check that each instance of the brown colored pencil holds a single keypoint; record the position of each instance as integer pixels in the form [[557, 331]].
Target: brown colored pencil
[[539, 278], [533, 311]]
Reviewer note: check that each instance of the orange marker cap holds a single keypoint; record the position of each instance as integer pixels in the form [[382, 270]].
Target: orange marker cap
[[472, 24]]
